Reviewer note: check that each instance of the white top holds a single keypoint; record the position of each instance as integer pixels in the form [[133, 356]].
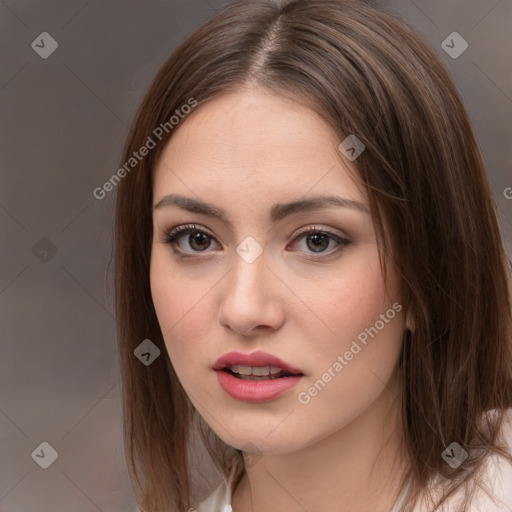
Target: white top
[[220, 499], [497, 481]]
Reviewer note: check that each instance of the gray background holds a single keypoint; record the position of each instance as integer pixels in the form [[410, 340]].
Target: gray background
[[63, 124]]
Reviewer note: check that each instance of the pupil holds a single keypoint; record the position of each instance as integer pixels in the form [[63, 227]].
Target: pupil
[[200, 238], [318, 238]]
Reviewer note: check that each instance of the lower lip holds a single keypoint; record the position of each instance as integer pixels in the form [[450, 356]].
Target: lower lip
[[255, 390]]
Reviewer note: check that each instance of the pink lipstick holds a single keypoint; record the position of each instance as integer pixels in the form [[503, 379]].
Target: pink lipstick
[[255, 377]]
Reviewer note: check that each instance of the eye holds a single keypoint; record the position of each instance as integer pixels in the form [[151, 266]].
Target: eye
[[317, 239], [198, 239]]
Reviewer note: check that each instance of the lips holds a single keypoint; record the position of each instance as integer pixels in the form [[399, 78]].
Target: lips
[[257, 363], [255, 377]]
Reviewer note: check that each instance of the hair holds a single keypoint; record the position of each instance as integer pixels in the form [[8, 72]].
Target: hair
[[365, 72]]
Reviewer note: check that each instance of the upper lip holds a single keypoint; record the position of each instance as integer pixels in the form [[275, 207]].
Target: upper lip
[[257, 358]]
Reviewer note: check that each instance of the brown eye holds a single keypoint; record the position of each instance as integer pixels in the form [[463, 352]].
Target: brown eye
[[317, 241], [197, 241]]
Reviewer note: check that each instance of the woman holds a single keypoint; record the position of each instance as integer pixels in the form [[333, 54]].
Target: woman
[[310, 211]]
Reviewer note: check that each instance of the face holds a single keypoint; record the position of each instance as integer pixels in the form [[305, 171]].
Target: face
[[249, 274]]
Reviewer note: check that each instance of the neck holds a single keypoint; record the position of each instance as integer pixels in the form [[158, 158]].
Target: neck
[[357, 468]]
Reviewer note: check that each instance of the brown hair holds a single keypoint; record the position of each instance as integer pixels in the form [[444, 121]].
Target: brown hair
[[367, 73]]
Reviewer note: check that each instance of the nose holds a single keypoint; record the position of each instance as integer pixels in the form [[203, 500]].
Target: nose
[[252, 298]]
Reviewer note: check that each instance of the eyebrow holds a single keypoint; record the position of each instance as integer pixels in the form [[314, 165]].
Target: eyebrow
[[278, 211]]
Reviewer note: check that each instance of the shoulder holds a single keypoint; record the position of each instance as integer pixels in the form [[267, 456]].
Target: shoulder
[[220, 498], [493, 489], [494, 483], [217, 501], [496, 480]]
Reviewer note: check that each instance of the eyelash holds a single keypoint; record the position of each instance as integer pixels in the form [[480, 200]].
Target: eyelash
[[171, 236]]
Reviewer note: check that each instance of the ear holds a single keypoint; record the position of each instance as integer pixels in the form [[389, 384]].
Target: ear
[[410, 324]]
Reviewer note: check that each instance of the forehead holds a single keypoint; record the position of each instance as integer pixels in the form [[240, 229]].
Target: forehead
[[254, 140]]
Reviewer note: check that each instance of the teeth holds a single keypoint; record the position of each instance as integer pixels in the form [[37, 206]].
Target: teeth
[[255, 370]]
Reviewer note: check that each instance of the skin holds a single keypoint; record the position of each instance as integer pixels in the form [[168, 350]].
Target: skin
[[243, 152]]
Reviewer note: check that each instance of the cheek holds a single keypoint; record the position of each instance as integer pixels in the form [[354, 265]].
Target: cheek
[[182, 307], [351, 302], [356, 359]]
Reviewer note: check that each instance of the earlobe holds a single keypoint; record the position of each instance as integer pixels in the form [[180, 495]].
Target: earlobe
[[410, 324]]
